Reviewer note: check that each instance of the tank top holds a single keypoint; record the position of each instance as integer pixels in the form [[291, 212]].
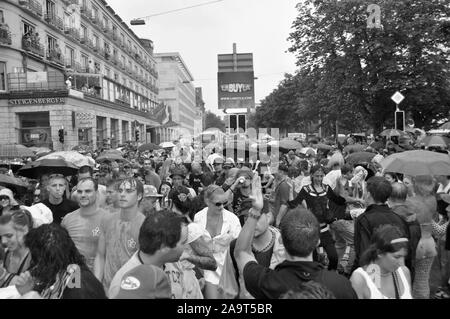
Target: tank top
[[375, 293]]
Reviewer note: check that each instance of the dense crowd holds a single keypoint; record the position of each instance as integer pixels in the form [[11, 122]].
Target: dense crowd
[[308, 223]]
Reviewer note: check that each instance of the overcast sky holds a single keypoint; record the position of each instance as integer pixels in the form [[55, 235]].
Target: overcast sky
[[260, 27]]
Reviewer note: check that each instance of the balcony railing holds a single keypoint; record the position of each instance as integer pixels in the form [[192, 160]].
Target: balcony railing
[[17, 82], [53, 20], [32, 6], [31, 46], [85, 12], [72, 32], [84, 39], [5, 36], [55, 55]]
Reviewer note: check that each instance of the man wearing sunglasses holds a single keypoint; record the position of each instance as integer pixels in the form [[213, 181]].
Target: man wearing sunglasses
[[219, 173], [57, 201]]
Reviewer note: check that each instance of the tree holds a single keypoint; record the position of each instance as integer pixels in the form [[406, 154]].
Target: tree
[[351, 71], [213, 121]]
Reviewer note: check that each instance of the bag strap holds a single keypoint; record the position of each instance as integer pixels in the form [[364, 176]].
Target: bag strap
[[397, 295]]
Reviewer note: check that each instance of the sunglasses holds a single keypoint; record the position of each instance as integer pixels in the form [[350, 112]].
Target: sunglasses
[[126, 167], [221, 204], [4, 198]]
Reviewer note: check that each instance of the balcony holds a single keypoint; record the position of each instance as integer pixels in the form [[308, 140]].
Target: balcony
[[85, 12], [84, 39], [69, 2], [55, 55], [35, 47], [108, 55], [5, 36], [114, 60], [17, 82], [55, 21], [72, 32], [32, 6]]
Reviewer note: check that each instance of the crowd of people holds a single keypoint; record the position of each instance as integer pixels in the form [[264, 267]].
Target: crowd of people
[[304, 223]]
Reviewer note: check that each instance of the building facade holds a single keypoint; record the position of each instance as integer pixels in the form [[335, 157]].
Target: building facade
[[177, 91], [73, 65]]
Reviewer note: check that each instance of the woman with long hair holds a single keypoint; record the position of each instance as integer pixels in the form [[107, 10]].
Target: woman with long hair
[[13, 228], [58, 270], [425, 205], [222, 226], [383, 274]]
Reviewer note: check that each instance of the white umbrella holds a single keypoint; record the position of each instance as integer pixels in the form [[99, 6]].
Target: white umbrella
[[167, 145], [70, 156]]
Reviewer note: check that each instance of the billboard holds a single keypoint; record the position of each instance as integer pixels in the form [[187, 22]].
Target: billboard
[[236, 90]]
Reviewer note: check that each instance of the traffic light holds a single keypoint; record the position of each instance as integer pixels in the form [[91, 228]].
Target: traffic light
[[137, 135], [61, 135]]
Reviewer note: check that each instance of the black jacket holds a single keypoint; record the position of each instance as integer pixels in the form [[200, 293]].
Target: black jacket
[[369, 221], [266, 283]]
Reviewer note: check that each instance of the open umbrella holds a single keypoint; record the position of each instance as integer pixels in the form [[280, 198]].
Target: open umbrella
[[445, 126], [110, 155], [14, 151], [324, 147], [288, 144], [47, 166], [359, 157], [148, 147], [12, 182], [71, 157], [354, 148], [418, 162], [167, 145], [435, 140], [391, 132]]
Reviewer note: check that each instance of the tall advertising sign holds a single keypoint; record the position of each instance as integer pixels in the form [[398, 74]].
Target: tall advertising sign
[[236, 89]]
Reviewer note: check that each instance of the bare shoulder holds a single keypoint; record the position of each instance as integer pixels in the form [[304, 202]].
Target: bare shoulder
[[406, 272]]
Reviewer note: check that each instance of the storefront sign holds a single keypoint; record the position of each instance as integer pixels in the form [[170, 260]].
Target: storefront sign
[[35, 136], [85, 120], [46, 100]]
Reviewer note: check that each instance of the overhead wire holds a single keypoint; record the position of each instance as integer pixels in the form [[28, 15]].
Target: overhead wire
[[180, 9]]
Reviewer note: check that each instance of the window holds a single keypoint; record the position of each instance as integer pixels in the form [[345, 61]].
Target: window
[[95, 12], [2, 17], [50, 7], [114, 28], [129, 44], [96, 41], [51, 43], [28, 29], [2, 76], [85, 62], [83, 32], [108, 72], [122, 39], [70, 56]]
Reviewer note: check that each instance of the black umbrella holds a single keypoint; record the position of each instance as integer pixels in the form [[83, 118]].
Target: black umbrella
[[47, 166], [360, 157], [12, 182]]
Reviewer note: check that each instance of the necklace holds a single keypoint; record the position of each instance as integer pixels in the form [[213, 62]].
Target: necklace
[[272, 241]]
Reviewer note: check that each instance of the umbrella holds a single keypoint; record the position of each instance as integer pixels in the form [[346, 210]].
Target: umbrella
[[148, 147], [324, 147], [418, 162], [14, 151], [288, 144], [12, 182], [435, 140], [354, 148], [71, 157], [167, 145], [360, 157], [47, 166], [110, 155], [391, 132], [445, 126]]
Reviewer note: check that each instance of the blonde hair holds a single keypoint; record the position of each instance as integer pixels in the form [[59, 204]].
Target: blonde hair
[[213, 189]]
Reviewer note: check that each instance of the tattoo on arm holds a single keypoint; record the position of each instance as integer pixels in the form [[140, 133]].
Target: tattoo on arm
[[203, 257]]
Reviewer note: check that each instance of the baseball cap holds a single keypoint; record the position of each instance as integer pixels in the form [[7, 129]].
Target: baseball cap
[[144, 282], [150, 191], [178, 171], [218, 160]]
